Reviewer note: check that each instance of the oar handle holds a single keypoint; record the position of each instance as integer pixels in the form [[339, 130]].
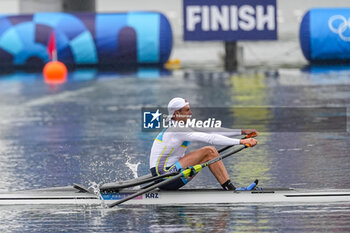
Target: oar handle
[[250, 135], [245, 137]]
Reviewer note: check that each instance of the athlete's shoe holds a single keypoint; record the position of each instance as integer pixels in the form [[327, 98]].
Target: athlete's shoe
[[252, 186]]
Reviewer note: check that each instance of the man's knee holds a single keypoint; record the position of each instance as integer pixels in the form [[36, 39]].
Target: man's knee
[[211, 152]]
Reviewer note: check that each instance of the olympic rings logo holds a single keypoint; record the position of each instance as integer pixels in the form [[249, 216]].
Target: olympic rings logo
[[341, 28]]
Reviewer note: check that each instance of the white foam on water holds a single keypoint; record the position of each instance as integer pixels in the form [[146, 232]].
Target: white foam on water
[[57, 97], [133, 167], [96, 189]]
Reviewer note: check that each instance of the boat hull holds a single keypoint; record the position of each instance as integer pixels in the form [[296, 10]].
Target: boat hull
[[70, 196]]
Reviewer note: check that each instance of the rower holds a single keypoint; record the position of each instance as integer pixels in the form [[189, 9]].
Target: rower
[[168, 153]]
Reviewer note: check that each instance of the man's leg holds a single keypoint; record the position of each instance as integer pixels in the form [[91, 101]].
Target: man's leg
[[203, 155]]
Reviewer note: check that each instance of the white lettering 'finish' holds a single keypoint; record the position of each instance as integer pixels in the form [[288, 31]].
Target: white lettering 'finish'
[[234, 18], [205, 18], [268, 18], [246, 14], [219, 17], [226, 18], [192, 17]]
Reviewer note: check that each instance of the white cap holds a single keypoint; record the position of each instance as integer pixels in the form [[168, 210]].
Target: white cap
[[175, 104]]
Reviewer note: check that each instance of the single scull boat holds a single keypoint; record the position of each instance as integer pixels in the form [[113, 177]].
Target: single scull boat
[[72, 196], [113, 194]]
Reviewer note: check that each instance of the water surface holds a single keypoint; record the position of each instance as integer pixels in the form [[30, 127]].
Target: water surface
[[89, 128]]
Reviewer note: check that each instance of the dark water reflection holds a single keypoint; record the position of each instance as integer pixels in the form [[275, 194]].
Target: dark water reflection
[[261, 218], [89, 128]]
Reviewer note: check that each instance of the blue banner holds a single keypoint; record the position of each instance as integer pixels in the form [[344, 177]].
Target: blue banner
[[110, 39], [229, 20], [330, 34]]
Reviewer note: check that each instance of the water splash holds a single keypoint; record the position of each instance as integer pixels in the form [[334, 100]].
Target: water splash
[[133, 167], [95, 187]]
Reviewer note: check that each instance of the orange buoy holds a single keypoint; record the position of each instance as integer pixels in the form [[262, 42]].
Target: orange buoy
[[174, 64], [55, 72]]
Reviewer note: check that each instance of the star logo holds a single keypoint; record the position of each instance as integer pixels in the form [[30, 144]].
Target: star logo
[[152, 119], [156, 115]]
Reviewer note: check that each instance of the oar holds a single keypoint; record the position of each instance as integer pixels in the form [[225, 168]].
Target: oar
[[149, 178], [116, 186], [125, 184], [132, 183], [184, 173], [119, 186], [227, 147]]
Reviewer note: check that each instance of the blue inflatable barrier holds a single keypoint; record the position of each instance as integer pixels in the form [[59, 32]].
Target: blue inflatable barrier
[[133, 38], [325, 35]]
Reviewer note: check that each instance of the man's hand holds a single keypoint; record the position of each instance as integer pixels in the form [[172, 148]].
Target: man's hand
[[250, 132], [250, 141]]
